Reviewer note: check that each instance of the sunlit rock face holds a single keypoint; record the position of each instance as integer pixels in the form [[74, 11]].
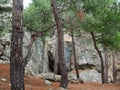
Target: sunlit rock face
[[40, 62], [85, 53], [5, 47], [34, 66], [87, 57], [67, 51], [86, 76]]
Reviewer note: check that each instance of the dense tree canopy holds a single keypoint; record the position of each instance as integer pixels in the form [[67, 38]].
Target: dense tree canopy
[[103, 18], [40, 12]]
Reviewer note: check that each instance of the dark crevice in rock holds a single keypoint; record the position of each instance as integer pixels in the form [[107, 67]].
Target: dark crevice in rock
[[51, 62], [86, 66]]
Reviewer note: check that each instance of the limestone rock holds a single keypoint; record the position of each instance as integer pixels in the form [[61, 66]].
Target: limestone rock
[[48, 83], [3, 79], [90, 76], [86, 76], [51, 76]]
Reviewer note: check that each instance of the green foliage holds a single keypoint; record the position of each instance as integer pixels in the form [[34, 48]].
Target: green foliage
[[3, 7], [4, 1], [103, 18], [96, 6], [38, 15], [68, 12]]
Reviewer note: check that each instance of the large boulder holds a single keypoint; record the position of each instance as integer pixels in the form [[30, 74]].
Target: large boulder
[[5, 47], [86, 53], [51, 76], [86, 76], [34, 66], [91, 76]]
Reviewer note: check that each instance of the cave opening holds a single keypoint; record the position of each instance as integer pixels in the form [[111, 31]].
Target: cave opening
[[51, 62]]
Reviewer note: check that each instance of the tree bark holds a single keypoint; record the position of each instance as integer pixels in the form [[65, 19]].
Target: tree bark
[[106, 67], [101, 58], [56, 55], [16, 66], [43, 53], [17, 63], [114, 66], [64, 78]]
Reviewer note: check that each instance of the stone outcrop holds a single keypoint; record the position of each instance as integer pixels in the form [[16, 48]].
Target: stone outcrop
[[34, 66], [86, 76], [5, 47], [87, 56], [85, 53]]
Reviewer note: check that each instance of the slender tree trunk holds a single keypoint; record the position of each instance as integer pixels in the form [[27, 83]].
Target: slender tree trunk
[[64, 78], [16, 66], [114, 66], [74, 53], [111, 67], [106, 67], [101, 58], [56, 55], [43, 60]]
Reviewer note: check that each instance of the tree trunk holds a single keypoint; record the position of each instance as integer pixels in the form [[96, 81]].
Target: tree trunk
[[74, 53], [43, 60], [106, 68], [114, 66], [101, 58], [17, 63], [16, 66], [64, 78], [56, 55]]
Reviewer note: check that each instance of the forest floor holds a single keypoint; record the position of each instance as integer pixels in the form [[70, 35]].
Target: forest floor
[[32, 83]]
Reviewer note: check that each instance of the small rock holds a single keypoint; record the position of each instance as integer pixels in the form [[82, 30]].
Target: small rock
[[3, 79], [4, 62], [74, 81], [48, 83], [51, 76], [9, 84], [38, 76]]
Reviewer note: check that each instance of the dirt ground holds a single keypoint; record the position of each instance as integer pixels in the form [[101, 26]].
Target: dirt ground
[[32, 83]]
